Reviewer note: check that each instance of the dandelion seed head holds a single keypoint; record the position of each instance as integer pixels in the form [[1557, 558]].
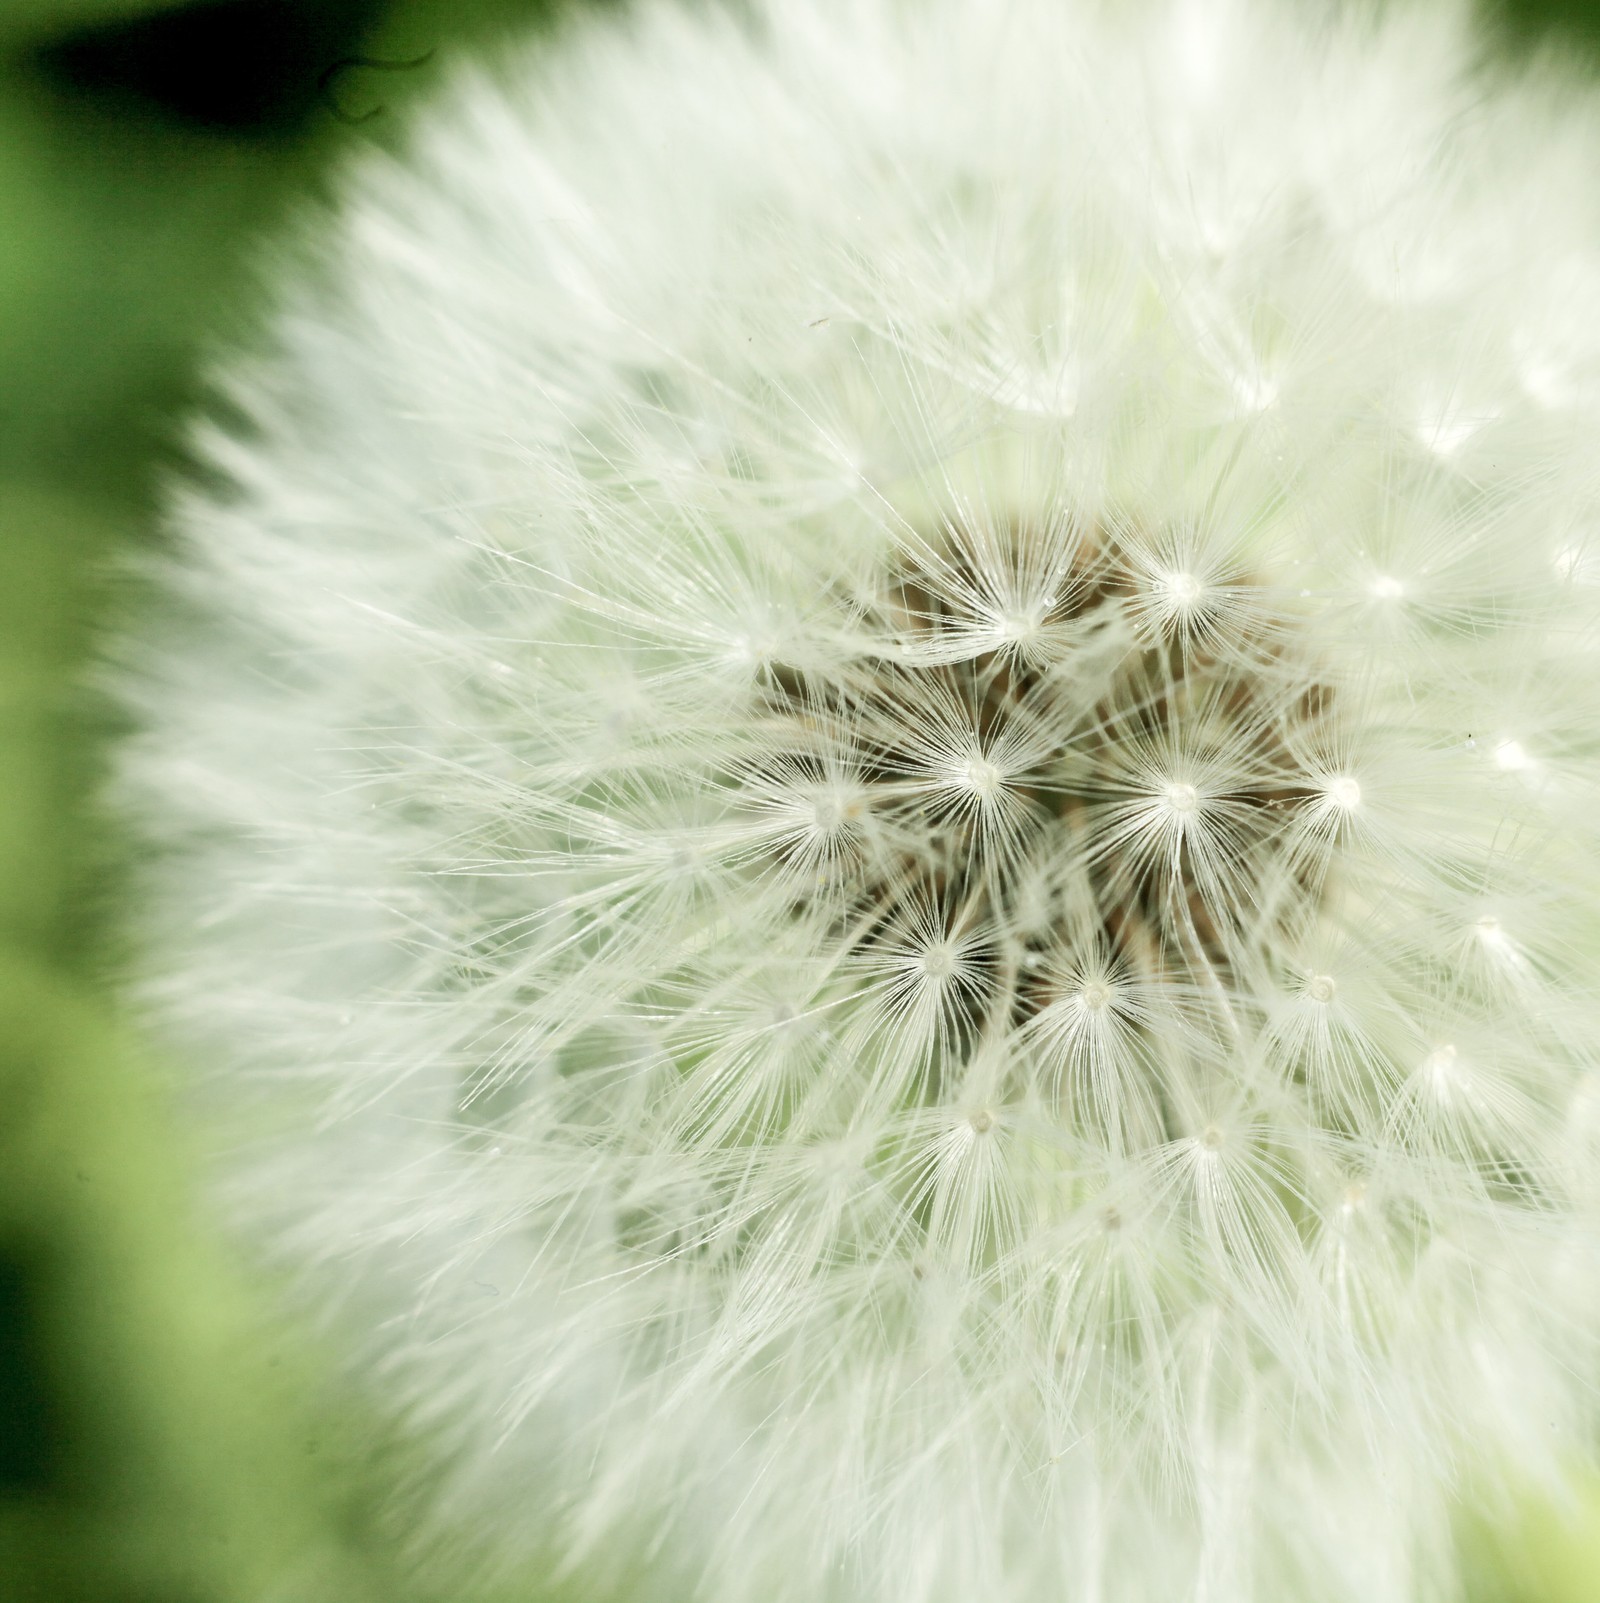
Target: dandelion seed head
[[788, 738]]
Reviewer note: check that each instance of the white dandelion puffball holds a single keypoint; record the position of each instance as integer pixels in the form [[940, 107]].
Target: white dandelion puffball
[[876, 765]]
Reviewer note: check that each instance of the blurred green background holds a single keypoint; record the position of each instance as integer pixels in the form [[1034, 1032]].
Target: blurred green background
[[162, 1439]]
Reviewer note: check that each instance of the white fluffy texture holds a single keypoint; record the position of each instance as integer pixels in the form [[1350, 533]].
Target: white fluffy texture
[[879, 797]]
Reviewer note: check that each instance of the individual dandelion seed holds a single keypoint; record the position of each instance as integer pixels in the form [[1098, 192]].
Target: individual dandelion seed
[[876, 793]]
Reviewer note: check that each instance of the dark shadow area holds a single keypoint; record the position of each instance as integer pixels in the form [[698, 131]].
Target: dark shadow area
[[247, 68], [30, 1418], [1546, 24]]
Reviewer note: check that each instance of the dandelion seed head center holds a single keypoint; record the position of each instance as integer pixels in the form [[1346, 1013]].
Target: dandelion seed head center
[[1181, 797], [980, 776], [1020, 627], [1182, 588], [998, 805], [1440, 1064], [1345, 793], [1321, 988], [835, 810]]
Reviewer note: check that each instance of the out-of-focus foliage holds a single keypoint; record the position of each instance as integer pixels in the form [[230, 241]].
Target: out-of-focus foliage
[[161, 1441], [158, 1440]]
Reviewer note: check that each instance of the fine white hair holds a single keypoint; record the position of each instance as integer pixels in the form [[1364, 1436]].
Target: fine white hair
[[871, 769]]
